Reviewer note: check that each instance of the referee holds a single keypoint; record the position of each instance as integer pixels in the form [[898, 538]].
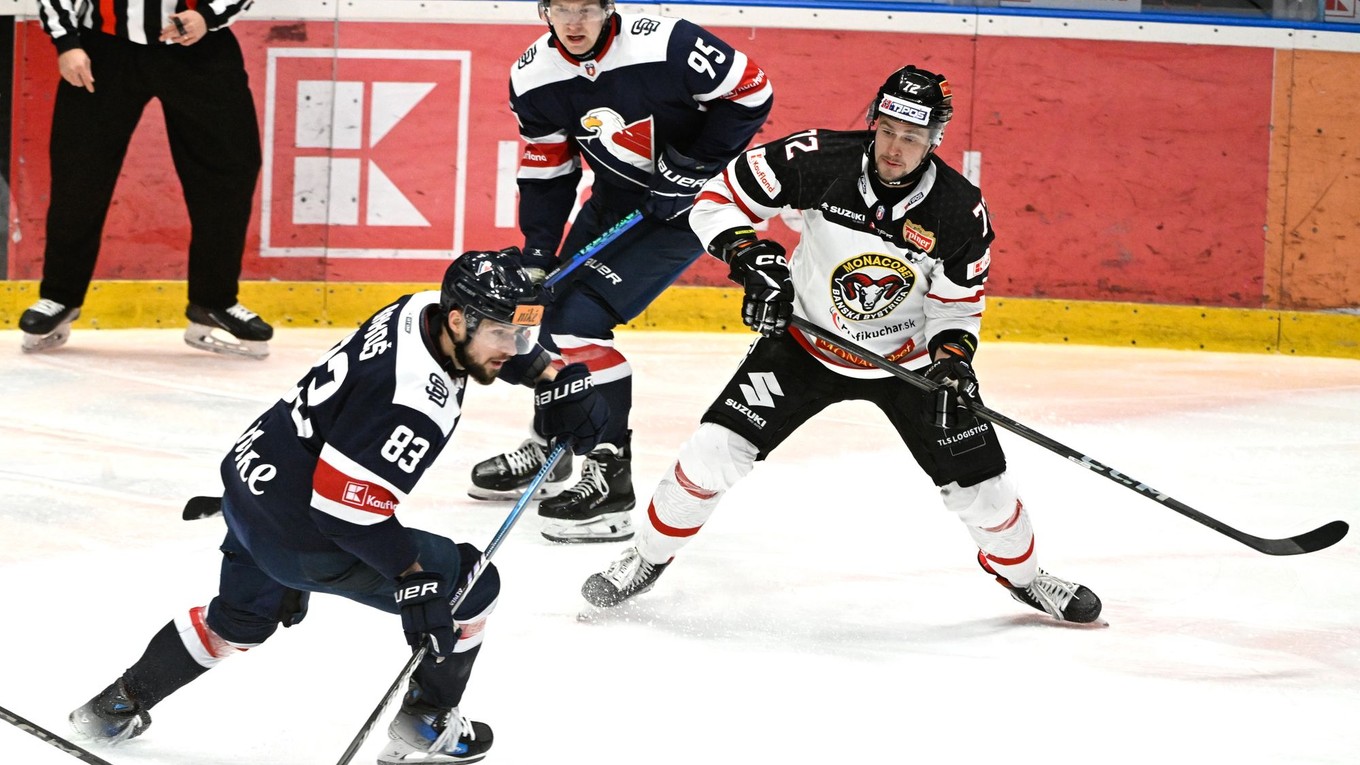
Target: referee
[[114, 56]]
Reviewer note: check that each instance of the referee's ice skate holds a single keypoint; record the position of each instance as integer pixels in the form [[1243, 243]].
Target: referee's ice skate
[[47, 325], [236, 331]]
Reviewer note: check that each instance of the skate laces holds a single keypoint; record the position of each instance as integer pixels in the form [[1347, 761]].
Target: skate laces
[[48, 307], [1051, 592], [528, 458], [454, 726], [592, 480], [628, 569], [242, 313]]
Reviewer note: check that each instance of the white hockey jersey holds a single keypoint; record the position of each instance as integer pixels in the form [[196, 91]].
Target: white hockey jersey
[[888, 276]]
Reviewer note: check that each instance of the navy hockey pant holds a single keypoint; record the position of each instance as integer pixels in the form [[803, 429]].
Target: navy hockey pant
[[612, 288]]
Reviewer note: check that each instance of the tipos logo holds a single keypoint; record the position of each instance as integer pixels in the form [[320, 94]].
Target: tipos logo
[[870, 286]]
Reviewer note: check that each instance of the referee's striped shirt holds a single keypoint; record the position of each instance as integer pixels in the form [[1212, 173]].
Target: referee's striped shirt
[[140, 21]]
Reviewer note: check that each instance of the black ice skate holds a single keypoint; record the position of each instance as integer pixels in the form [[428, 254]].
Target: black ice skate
[[626, 577], [1059, 598], [47, 325], [506, 476], [422, 733], [112, 717], [597, 508], [246, 334]]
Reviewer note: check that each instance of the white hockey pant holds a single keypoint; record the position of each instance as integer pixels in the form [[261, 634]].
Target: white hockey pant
[[710, 463], [997, 521]]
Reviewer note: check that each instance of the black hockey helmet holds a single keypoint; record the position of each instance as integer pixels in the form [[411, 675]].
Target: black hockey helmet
[[491, 285], [915, 96]]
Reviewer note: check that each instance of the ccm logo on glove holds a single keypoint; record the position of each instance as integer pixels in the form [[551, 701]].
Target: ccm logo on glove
[[545, 397]]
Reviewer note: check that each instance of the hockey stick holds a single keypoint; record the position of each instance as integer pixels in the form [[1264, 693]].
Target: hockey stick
[[51, 738], [548, 464], [590, 250], [1320, 538], [202, 507]]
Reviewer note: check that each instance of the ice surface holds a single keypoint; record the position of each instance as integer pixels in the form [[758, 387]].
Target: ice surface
[[831, 610]]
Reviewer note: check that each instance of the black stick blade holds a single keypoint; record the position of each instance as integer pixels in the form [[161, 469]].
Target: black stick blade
[[202, 507], [1319, 538]]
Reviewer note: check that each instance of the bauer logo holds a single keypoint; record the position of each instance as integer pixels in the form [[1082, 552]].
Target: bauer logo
[[363, 153]]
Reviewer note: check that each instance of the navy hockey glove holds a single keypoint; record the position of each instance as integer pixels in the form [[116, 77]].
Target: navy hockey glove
[[423, 598], [569, 408], [949, 407], [674, 186], [758, 265]]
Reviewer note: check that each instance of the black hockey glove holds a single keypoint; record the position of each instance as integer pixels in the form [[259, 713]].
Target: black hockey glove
[[949, 407], [758, 265], [570, 408], [538, 263], [674, 185], [423, 598]]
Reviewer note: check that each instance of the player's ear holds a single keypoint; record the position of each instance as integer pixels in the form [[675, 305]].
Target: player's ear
[[457, 323]]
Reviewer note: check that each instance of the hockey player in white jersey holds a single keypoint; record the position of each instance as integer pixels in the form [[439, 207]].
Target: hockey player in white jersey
[[894, 257], [656, 106]]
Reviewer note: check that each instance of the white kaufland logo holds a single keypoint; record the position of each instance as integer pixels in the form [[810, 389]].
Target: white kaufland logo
[[762, 390], [355, 493]]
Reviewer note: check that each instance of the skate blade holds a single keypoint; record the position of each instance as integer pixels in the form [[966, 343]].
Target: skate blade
[[545, 490], [610, 527], [54, 339], [204, 338]]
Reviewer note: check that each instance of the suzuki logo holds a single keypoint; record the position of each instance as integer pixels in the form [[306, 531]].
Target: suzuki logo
[[762, 390]]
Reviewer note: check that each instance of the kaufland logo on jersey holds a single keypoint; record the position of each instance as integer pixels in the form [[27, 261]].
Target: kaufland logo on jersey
[[365, 153], [356, 494]]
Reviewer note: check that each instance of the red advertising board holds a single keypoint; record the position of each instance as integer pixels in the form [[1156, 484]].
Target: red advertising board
[[1114, 170]]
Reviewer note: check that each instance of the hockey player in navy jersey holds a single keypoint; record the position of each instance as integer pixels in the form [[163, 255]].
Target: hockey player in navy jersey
[[893, 256], [655, 106], [311, 490]]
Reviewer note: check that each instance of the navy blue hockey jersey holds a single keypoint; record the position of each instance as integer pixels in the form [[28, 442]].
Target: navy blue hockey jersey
[[327, 466], [658, 83]]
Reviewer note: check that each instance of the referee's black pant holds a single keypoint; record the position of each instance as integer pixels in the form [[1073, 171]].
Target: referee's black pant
[[214, 142]]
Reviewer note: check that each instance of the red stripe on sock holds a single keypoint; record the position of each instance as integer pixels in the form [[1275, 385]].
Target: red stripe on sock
[[694, 489], [1012, 561], [1015, 518], [669, 531]]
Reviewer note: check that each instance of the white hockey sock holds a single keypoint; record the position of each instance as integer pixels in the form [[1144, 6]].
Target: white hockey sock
[[710, 463], [998, 523], [203, 643]]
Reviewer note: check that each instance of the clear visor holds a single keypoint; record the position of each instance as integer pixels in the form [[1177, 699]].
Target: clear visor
[[517, 338]]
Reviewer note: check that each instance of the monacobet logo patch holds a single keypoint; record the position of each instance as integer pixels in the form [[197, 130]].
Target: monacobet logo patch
[[870, 285], [918, 237]]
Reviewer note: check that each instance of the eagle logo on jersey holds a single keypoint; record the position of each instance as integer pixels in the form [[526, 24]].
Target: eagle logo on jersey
[[627, 142], [870, 286]]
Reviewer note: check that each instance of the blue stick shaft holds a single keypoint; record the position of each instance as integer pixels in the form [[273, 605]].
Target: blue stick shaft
[[504, 531], [601, 242]]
